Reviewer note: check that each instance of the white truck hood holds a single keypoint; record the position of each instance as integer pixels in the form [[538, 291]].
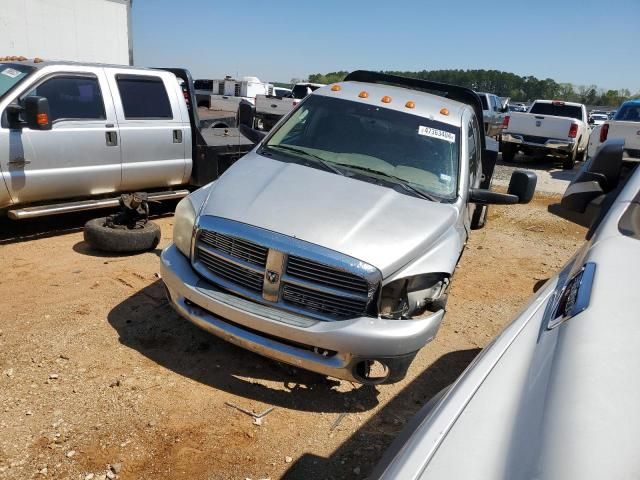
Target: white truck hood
[[369, 222]]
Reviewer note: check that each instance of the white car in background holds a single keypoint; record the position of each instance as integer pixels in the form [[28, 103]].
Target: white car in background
[[556, 394], [596, 119], [625, 124]]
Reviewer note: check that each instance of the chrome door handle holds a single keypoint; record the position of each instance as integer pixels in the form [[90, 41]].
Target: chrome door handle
[[112, 139]]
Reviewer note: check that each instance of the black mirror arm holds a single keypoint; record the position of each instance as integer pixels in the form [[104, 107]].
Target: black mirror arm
[[487, 197]]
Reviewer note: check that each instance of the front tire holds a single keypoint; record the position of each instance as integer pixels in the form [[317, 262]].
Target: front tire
[[570, 162], [479, 217], [508, 152]]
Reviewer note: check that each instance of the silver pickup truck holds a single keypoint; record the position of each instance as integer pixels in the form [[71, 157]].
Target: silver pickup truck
[[332, 245], [73, 136]]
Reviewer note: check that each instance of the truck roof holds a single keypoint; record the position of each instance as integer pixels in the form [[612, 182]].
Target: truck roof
[[426, 104], [40, 63], [571, 104]]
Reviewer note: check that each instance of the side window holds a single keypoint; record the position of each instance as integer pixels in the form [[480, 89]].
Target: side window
[[72, 97], [496, 103], [143, 98], [473, 147]]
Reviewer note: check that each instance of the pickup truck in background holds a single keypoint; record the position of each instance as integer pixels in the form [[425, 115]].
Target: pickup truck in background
[[493, 110], [550, 127], [270, 108], [74, 136], [625, 124]]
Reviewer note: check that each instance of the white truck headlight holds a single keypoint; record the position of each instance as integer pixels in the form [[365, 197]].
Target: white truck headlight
[[183, 222]]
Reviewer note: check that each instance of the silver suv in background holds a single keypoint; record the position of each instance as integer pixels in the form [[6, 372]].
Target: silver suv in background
[[332, 245], [555, 395]]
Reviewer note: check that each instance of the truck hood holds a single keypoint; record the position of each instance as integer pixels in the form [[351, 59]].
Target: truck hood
[[369, 222]]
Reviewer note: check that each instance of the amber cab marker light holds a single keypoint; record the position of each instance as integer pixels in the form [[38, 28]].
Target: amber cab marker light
[[444, 111], [410, 104], [37, 60], [363, 94], [386, 99], [336, 88], [42, 119]]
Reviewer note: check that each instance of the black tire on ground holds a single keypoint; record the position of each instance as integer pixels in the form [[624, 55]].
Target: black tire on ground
[[121, 239], [581, 155], [479, 217], [570, 161], [508, 152]]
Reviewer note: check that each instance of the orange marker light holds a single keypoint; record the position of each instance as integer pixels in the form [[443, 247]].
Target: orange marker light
[[410, 104], [386, 99], [37, 60], [42, 119], [363, 94], [444, 111], [336, 88]]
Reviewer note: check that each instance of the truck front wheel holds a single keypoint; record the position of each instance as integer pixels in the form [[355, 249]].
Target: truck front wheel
[[508, 152], [570, 162]]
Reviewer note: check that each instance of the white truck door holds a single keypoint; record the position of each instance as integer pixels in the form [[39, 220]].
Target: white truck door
[[153, 132], [79, 156]]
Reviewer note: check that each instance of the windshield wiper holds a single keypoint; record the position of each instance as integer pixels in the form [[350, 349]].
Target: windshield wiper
[[320, 160], [406, 185]]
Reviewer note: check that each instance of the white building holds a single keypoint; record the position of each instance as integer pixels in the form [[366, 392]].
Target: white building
[[77, 30]]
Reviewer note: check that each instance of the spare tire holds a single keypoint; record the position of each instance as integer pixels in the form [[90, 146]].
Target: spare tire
[[121, 240]]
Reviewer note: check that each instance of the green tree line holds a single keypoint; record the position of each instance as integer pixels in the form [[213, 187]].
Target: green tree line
[[506, 84]]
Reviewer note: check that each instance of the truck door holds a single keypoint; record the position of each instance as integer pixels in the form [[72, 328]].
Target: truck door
[[79, 156], [154, 134]]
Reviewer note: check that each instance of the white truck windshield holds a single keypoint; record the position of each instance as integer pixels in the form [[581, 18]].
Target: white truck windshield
[[380, 142], [11, 74]]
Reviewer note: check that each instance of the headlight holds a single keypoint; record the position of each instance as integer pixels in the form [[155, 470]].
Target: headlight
[[183, 221], [410, 297]]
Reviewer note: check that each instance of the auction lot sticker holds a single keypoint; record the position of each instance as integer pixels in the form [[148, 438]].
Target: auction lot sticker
[[11, 72], [435, 133]]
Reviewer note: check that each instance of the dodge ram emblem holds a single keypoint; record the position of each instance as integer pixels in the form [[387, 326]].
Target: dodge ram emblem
[[272, 277]]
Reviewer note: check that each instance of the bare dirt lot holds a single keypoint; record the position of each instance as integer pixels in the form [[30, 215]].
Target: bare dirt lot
[[97, 370]]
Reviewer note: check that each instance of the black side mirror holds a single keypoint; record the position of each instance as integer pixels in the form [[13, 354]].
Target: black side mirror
[[36, 113], [522, 186], [598, 176]]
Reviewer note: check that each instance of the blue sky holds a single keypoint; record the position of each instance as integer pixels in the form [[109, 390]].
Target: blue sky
[[577, 41]]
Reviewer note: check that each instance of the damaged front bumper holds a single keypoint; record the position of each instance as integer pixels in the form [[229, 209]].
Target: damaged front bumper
[[340, 349]]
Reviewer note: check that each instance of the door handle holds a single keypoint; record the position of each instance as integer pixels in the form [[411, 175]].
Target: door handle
[[112, 138], [177, 136]]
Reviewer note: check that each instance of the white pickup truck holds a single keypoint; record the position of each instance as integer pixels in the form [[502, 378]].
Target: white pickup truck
[[625, 124], [550, 127], [271, 108]]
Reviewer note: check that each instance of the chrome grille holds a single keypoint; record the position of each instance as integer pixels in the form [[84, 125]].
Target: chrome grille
[[326, 275], [278, 270], [229, 271], [236, 247], [325, 303]]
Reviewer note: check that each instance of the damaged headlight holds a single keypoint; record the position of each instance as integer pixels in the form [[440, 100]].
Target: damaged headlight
[[412, 296], [183, 221]]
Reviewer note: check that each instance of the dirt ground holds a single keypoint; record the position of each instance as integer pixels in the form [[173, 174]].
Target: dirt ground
[[96, 370]]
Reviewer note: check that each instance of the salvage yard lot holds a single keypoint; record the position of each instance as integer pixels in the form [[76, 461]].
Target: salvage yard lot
[[96, 369]]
